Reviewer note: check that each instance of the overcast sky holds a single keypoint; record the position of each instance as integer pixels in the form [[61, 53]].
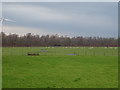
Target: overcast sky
[[63, 18]]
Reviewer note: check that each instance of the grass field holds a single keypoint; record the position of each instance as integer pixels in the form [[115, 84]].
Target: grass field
[[60, 67]]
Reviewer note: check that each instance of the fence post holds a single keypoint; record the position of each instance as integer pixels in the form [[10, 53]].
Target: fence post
[[104, 53], [93, 53]]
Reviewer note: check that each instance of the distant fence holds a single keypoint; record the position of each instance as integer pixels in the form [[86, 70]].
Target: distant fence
[[70, 51]]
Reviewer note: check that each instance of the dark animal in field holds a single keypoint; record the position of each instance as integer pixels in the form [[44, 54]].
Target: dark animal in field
[[33, 54]]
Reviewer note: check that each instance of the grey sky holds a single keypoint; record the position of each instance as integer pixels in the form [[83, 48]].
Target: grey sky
[[63, 18]]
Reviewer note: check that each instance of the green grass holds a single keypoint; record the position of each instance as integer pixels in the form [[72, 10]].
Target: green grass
[[89, 68]]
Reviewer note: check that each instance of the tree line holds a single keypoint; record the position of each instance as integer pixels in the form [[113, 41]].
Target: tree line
[[31, 40]]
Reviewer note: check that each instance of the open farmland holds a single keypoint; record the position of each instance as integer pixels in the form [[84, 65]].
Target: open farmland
[[60, 67]]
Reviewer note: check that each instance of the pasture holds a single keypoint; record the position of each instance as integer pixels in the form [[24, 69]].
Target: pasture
[[60, 67]]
